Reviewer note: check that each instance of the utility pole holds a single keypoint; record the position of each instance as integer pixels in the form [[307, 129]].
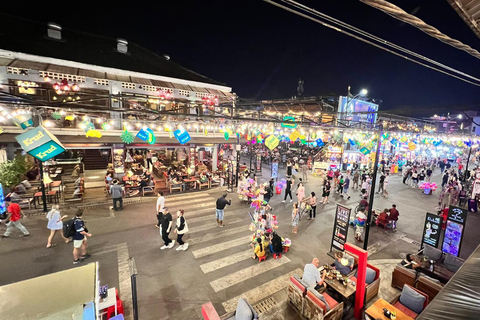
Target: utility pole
[[372, 189]]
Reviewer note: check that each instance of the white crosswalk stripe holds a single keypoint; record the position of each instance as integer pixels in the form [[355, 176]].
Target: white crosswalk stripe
[[208, 226], [225, 262], [247, 273], [220, 247], [263, 291], [227, 231]]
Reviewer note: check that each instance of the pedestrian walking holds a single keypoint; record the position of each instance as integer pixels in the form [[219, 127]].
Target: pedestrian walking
[[346, 185], [380, 183], [304, 171], [295, 217], [356, 178], [117, 191], [80, 238], [166, 226], [288, 191], [220, 205], [326, 191], [414, 179], [13, 218], [385, 187], [180, 229], [55, 224], [312, 201], [149, 160], [340, 183], [300, 192]]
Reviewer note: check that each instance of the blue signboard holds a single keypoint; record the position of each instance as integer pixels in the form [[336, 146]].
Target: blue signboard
[[182, 136], [146, 134]]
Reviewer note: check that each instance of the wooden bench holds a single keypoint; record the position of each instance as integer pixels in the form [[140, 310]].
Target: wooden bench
[[171, 187], [23, 201]]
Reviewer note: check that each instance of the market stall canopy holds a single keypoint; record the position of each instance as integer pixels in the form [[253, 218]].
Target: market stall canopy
[[460, 298]]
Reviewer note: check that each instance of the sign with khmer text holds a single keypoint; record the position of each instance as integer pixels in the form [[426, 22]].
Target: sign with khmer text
[[40, 143]]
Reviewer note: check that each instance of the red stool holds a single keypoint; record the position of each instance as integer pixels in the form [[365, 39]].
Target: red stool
[[260, 259], [277, 255], [285, 249]]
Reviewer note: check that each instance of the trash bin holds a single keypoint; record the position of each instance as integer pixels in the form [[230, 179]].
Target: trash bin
[[472, 205]]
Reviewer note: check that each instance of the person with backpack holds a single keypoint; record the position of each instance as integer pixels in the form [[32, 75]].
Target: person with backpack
[[55, 224], [180, 229], [80, 238]]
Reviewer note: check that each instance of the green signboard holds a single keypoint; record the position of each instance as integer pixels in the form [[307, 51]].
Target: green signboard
[[40, 143]]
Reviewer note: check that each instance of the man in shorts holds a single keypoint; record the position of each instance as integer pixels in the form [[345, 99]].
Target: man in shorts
[[80, 239]]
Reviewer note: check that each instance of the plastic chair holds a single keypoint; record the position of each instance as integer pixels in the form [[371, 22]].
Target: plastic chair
[[277, 255], [260, 259]]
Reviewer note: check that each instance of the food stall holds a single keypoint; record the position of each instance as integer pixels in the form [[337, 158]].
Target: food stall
[[333, 157], [350, 157]]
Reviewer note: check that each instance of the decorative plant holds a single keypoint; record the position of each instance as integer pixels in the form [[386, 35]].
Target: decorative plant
[[11, 171]]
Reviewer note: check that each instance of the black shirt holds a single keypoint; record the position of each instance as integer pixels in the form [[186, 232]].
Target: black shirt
[[289, 185], [277, 243], [167, 218], [222, 202], [421, 176], [382, 179]]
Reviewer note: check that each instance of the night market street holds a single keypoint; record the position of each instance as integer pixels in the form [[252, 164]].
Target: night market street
[[217, 266]]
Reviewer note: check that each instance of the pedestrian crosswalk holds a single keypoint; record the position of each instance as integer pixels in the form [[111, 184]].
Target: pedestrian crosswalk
[[224, 254]]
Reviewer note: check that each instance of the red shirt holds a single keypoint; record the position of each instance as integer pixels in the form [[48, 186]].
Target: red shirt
[[14, 209], [393, 214]]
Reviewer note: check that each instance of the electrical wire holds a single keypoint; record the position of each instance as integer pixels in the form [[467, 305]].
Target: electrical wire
[[377, 39], [400, 14]]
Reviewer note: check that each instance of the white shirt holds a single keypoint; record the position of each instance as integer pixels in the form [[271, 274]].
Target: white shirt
[[160, 204]]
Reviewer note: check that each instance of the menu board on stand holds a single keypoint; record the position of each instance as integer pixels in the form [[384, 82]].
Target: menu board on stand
[[119, 161], [452, 241], [431, 230], [340, 228]]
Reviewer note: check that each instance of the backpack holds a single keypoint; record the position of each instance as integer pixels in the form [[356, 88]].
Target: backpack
[[69, 228]]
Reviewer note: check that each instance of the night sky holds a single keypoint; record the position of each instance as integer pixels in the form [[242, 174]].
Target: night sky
[[261, 51]]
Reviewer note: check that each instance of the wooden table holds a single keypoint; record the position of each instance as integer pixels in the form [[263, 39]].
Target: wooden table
[[189, 182], [376, 311], [345, 291]]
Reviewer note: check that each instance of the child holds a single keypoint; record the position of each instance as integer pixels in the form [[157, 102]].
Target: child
[[295, 217]]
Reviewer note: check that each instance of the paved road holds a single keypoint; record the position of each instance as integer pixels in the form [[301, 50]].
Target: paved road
[[217, 266]]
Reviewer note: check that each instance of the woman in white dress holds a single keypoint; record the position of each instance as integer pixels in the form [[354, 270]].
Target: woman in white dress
[[55, 223]]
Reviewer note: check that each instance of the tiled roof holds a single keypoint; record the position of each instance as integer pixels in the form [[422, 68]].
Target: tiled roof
[[26, 36]]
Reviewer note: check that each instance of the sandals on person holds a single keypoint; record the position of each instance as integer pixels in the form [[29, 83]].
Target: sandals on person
[[52, 245]]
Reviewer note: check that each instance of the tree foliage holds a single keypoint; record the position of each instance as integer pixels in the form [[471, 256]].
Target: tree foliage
[[12, 171]]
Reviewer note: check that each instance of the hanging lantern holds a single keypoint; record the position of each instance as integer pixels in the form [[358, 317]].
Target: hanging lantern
[[272, 142], [412, 145]]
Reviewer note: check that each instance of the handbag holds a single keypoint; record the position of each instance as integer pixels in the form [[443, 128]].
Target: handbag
[[3, 216]]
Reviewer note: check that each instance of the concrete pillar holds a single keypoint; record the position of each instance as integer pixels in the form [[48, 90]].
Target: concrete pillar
[[215, 158]]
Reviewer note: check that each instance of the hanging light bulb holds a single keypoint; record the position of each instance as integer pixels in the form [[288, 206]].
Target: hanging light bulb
[[56, 86], [46, 79], [75, 87]]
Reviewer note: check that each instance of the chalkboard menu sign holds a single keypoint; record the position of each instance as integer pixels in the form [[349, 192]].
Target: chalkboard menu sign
[[340, 228], [431, 230], [452, 240]]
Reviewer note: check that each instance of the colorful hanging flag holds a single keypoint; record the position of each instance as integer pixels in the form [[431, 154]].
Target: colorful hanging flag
[[294, 136]]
